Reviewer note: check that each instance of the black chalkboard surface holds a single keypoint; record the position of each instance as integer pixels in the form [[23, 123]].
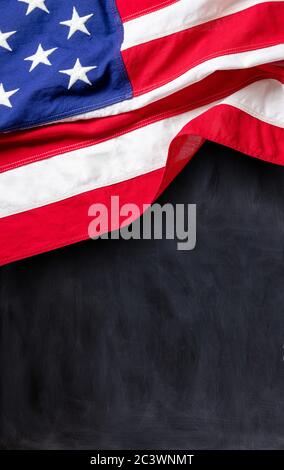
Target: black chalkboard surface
[[133, 344]]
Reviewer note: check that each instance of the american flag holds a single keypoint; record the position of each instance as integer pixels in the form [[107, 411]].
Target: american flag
[[103, 97]]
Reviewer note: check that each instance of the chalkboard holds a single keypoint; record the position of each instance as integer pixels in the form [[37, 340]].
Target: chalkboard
[[133, 344]]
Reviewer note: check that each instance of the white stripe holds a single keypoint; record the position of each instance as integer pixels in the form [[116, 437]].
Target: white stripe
[[241, 60], [57, 178], [133, 154], [268, 106], [179, 17]]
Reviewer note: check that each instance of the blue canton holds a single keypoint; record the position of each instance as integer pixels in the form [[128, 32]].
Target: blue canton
[[59, 59]]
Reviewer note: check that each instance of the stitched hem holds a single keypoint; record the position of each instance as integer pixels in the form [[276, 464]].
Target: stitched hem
[[155, 118], [217, 54]]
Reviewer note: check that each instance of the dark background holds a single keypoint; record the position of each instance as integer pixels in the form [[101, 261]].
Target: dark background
[[132, 344]]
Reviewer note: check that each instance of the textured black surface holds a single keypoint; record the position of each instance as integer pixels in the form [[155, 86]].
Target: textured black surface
[[116, 344]]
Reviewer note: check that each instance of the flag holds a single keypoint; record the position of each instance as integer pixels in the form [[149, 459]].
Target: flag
[[103, 97]]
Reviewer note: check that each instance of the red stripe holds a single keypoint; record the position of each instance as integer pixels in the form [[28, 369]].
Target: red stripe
[[130, 9], [21, 148], [157, 62], [234, 128], [66, 222]]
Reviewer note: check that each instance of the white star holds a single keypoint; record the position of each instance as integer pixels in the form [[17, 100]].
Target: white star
[[3, 39], [33, 4], [77, 23], [78, 73], [5, 95], [40, 57]]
